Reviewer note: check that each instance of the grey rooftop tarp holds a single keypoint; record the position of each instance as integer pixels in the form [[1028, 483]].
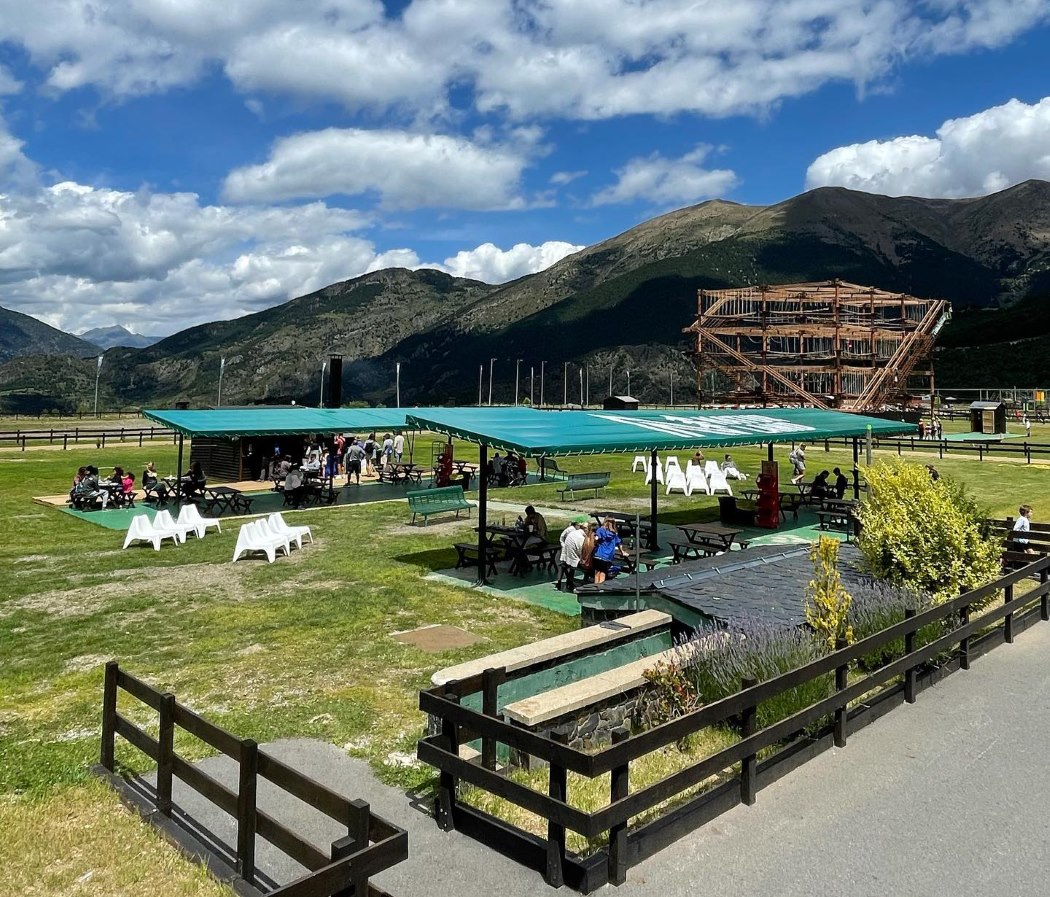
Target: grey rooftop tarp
[[544, 433]]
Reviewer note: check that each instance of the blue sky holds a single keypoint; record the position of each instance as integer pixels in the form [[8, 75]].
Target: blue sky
[[169, 162]]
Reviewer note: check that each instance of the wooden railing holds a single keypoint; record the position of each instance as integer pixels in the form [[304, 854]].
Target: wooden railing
[[850, 706], [370, 846], [83, 434]]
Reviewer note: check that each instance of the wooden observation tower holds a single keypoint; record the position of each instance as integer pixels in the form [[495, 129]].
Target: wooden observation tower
[[830, 344]]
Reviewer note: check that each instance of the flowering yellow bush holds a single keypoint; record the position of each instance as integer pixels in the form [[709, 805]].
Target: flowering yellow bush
[[827, 601], [923, 534]]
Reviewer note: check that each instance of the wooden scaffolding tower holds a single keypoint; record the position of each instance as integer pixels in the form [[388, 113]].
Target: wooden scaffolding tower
[[830, 344]]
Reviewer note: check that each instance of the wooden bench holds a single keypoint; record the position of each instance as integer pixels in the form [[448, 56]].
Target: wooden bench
[[580, 482], [543, 555], [425, 502], [550, 465], [702, 549], [839, 519], [467, 556]]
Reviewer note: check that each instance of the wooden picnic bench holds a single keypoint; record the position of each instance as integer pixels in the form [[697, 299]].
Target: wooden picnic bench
[[425, 502], [580, 482], [226, 498], [699, 549], [839, 518], [467, 556]]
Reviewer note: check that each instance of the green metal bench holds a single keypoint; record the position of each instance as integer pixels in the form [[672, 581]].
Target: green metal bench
[[425, 502], [579, 482]]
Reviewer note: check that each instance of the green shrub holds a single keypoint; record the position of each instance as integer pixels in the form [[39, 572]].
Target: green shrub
[[925, 535], [827, 601]]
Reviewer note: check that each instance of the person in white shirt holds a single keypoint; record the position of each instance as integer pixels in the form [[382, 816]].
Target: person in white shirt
[[399, 447], [798, 463], [571, 546], [1023, 525]]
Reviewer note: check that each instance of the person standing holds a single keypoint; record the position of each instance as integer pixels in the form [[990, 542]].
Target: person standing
[[399, 447], [1027, 427], [608, 546], [571, 548], [797, 457], [1023, 526], [355, 457], [370, 447], [388, 450]]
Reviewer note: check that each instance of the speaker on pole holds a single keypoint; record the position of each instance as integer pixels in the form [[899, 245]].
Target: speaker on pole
[[335, 381]]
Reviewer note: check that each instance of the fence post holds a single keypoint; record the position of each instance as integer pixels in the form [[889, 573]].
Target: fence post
[[109, 714], [65, 442], [1028, 453], [246, 809], [749, 765], [165, 753], [964, 644], [357, 838], [841, 713], [1008, 623], [1044, 602], [491, 680], [898, 448], [140, 438], [909, 646], [619, 789], [103, 441], [445, 805], [51, 437], [556, 788], [23, 442], [940, 449]]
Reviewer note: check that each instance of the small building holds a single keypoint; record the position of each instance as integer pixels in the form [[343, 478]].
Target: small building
[[988, 417], [620, 403]]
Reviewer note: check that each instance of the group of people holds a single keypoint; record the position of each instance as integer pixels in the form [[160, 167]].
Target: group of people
[[90, 489], [823, 488], [509, 470], [932, 430], [350, 455], [728, 465], [591, 549]]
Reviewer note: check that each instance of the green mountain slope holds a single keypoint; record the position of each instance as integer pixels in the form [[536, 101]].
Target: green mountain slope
[[22, 335]]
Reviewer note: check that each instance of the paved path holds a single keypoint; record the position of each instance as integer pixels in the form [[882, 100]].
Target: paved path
[[948, 796]]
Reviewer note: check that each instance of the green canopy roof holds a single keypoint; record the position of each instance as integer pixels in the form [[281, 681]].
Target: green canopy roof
[[273, 420], [535, 433]]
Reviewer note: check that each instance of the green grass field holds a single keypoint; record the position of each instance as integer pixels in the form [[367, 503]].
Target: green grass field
[[302, 647]]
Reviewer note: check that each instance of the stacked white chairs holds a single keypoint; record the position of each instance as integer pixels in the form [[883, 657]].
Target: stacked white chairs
[[671, 464], [641, 460], [165, 520], [711, 467], [298, 533], [717, 482], [695, 480], [677, 480], [255, 536], [285, 539], [190, 516], [142, 529], [649, 473]]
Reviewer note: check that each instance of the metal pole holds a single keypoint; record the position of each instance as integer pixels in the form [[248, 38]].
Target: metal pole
[[492, 361], [517, 370], [320, 404], [565, 384], [397, 383], [481, 374], [672, 389], [98, 371], [581, 387], [628, 383], [610, 380], [543, 371], [587, 387], [483, 509], [178, 471], [222, 367], [532, 384]]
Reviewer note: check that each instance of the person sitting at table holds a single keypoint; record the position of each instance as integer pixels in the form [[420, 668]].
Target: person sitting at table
[[840, 483], [730, 469], [535, 524], [312, 464], [127, 489], [78, 478], [294, 487], [193, 481], [821, 488], [608, 547], [152, 482], [90, 489]]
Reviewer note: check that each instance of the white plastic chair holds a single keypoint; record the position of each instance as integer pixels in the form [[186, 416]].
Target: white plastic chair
[[190, 516], [719, 483], [711, 467], [143, 530], [286, 539], [166, 521], [695, 479], [277, 523], [642, 460], [677, 480], [252, 537], [671, 464], [659, 474]]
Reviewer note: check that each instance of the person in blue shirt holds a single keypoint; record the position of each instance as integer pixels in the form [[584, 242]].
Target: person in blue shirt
[[608, 546]]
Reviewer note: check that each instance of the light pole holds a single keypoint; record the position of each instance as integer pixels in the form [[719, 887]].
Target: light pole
[[397, 383], [492, 361], [565, 384], [587, 380], [543, 365], [672, 390], [324, 364], [98, 371], [581, 387], [532, 384], [610, 379], [628, 382], [481, 374], [517, 371], [222, 367]]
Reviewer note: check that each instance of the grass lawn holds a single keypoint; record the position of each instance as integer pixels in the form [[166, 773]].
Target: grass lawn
[[302, 647]]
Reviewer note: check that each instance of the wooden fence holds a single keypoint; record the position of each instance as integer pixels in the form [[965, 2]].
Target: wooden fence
[[852, 705], [371, 845], [83, 434]]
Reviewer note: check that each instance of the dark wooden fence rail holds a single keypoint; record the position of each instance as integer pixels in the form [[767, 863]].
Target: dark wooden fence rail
[[943, 447], [83, 434], [963, 636], [370, 846]]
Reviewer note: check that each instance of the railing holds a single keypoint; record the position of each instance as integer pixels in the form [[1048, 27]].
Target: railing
[[878, 690], [78, 434], [942, 447], [371, 845]]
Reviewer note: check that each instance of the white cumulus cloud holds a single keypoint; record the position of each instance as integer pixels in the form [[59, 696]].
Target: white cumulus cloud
[[972, 156], [406, 170], [491, 264], [661, 181]]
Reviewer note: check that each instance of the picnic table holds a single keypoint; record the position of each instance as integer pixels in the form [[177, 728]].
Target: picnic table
[[625, 522], [521, 545], [218, 499], [839, 513], [703, 540], [401, 473]]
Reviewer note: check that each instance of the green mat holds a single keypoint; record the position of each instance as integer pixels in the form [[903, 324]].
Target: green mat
[[981, 437], [535, 588]]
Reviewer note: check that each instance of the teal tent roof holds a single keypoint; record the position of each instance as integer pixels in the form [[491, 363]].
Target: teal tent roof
[[535, 433], [273, 420]]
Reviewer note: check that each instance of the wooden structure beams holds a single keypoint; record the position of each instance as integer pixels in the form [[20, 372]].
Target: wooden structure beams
[[830, 345]]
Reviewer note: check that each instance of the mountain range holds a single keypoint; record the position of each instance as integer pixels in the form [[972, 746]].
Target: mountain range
[[111, 337], [616, 306]]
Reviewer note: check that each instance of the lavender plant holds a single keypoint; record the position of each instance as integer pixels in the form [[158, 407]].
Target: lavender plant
[[877, 606]]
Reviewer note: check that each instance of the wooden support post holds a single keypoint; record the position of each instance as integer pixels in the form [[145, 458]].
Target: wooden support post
[[109, 714], [165, 753], [1044, 602], [491, 680], [620, 788], [445, 805], [358, 829], [1008, 623], [856, 469], [247, 811], [909, 646], [749, 765], [556, 788], [841, 713]]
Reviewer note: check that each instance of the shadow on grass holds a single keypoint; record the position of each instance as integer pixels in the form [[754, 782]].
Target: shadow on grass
[[435, 559]]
